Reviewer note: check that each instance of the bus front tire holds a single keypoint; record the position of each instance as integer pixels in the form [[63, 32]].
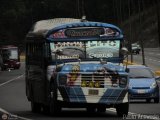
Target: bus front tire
[[36, 107], [55, 108], [122, 109]]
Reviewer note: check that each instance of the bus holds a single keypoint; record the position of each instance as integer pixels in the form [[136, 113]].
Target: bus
[[10, 56], [76, 63]]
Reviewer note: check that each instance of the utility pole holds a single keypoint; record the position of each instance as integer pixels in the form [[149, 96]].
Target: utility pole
[[80, 8], [78, 14], [140, 29], [130, 30], [120, 13], [83, 8], [31, 11], [158, 19]]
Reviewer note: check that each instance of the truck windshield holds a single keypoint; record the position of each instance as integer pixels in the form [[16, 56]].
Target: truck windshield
[[84, 50], [10, 54]]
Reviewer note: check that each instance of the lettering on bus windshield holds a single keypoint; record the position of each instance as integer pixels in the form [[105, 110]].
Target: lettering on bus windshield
[[89, 49], [103, 49]]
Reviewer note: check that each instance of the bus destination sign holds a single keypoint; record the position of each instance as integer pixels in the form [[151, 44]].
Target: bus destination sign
[[84, 32]]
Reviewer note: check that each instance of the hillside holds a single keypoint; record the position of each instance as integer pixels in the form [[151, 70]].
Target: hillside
[[143, 26]]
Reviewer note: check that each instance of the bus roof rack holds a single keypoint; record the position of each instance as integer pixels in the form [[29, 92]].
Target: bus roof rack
[[52, 23], [40, 28]]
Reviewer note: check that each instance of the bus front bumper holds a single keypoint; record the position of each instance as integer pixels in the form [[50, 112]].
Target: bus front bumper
[[93, 95]]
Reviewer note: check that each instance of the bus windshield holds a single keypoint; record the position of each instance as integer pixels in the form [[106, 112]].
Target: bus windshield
[[85, 49]]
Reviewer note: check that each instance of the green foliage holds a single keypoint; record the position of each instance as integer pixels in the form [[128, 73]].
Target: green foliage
[[17, 16]]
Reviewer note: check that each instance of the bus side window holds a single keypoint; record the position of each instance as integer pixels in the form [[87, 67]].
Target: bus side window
[[34, 53], [46, 50]]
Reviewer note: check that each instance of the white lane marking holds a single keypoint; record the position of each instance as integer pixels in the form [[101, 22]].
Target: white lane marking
[[11, 80], [151, 117], [152, 53], [152, 59], [12, 116]]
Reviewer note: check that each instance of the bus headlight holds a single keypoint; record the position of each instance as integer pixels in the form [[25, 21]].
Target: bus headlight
[[83, 83], [123, 82]]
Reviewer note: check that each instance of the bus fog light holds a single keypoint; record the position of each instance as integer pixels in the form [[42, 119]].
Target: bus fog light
[[83, 84], [97, 84], [91, 84]]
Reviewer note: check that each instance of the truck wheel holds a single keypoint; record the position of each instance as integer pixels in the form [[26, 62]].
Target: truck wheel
[[36, 107], [122, 109]]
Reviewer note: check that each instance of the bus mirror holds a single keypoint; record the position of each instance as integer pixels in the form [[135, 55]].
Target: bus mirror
[[124, 51]]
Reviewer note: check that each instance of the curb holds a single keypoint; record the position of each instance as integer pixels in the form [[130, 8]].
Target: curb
[[128, 63], [157, 73]]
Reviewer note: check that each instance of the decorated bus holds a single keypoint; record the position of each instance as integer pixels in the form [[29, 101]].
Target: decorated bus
[[10, 57], [76, 63]]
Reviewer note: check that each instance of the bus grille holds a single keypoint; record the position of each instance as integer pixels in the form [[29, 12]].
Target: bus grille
[[101, 79]]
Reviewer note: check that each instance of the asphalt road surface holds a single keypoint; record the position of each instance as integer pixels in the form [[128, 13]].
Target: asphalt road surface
[[152, 58], [14, 103]]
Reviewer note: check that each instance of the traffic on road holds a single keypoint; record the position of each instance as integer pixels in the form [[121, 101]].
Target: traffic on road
[[64, 74], [14, 103]]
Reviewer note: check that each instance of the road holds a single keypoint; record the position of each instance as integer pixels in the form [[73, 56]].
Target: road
[[152, 58], [14, 102]]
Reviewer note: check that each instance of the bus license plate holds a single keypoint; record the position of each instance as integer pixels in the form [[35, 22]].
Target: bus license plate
[[93, 92]]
